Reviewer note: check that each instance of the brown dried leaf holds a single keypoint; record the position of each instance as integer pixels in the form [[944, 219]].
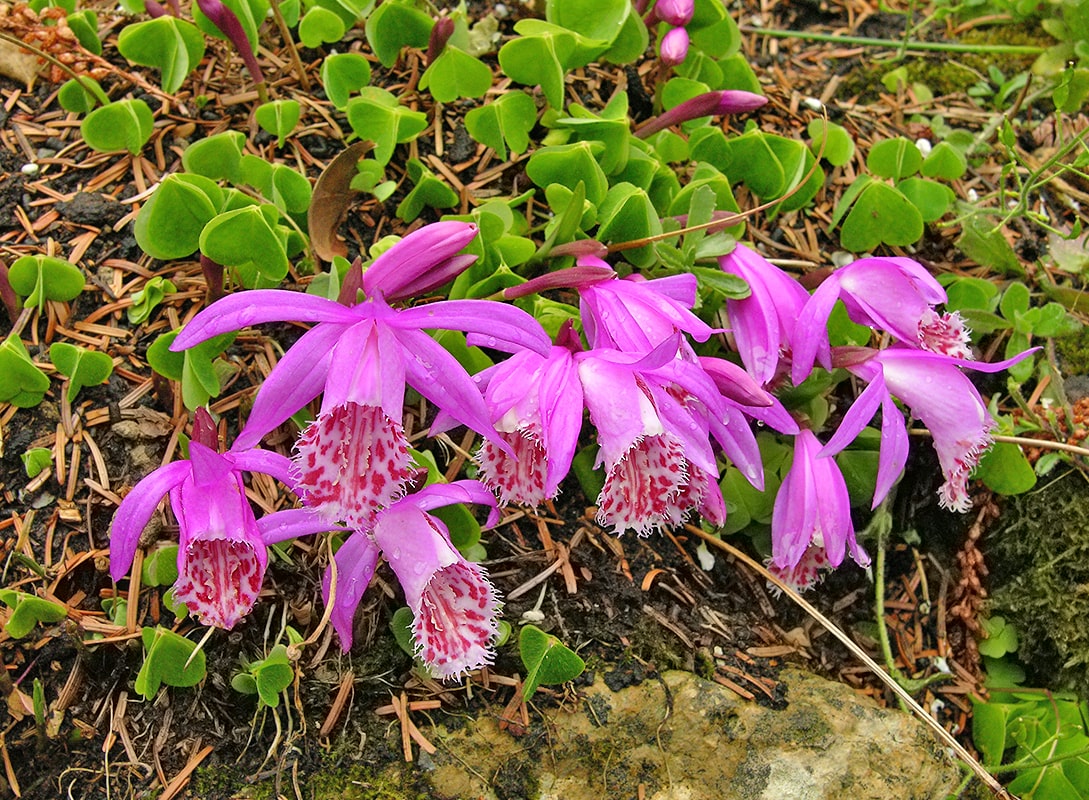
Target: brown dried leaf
[[332, 197]]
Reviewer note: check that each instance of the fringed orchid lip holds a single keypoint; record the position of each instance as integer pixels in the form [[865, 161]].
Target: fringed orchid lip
[[454, 605]]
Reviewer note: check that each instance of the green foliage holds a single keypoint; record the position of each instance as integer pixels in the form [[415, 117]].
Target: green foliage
[[267, 677], [838, 145], [456, 74], [81, 96], [505, 122], [160, 566], [148, 299], [28, 610], [166, 655], [278, 117], [41, 278], [217, 158], [396, 24], [547, 660], [371, 178], [198, 369], [342, 74], [172, 45], [429, 191], [84, 25], [319, 26], [538, 59], [1001, 637], [169, 224], [82, 367], [124, 125], [21, 382], [376, 115], [567, 166], [36, 460], [1047, 736]]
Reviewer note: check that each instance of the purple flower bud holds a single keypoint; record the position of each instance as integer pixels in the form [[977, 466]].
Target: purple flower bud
[[674, 47], [727, 101], [440, 35], [229, 25], [675, 12], [571, 278]]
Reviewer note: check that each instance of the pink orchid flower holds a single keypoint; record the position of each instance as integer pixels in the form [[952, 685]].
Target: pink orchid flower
[[454, 605], [896, 295], [939, 394], [353, 459], [654, 416], [812, 511], [536, 404], [221, 551], [763, 324]]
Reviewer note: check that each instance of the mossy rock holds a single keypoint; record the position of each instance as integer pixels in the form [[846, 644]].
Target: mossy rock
[[1038, 553]]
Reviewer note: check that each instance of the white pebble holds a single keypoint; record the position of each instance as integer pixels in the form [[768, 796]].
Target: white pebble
[[973, 196], [813, 104], [924, 146], [30, 169]]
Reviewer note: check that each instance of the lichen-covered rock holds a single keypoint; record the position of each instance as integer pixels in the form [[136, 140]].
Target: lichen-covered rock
[[684, 738]]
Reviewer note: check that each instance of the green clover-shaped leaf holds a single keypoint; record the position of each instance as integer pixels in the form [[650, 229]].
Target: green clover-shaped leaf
[[81, 366]]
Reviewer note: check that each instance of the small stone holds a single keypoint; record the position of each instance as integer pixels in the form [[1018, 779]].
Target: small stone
[[30, 169]]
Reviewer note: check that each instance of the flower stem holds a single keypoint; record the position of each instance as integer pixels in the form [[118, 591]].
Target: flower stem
[[895, 44], [289, 43]]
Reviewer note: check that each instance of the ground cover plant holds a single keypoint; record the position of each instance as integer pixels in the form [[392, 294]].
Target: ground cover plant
[[409, 309]]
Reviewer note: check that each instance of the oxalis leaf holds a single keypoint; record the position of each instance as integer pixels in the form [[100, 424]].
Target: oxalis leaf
[[456, 74], [547, 660], [41, 278], [27, 611], [881, 214], [82, 367], [166, 654], [378, 116], [124, 125], [196, 368], [342, 74], [504, 123], [21, 382], [172, 45], [35, 460], [278, 117]]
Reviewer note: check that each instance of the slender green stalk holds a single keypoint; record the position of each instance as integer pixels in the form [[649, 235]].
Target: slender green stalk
[[897, 44], [289, 43]]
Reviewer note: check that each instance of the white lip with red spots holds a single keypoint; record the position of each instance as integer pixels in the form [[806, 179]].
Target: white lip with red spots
[[350, 462]]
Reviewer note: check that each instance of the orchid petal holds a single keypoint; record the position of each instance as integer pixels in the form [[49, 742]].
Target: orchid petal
[[438, 376], [411, 259], [356, 562], [857, 416], [257, 306], [437, 495], [291, 523], [264, 461], [487, 324], [813, 322], [136, 511], [894, 450], [368, 368]]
